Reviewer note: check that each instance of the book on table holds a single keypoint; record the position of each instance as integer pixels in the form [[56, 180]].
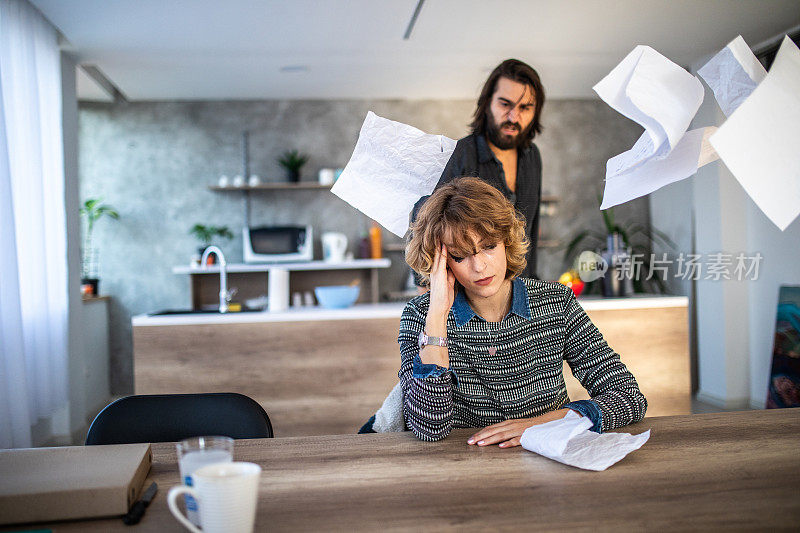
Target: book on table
[[62, 483]]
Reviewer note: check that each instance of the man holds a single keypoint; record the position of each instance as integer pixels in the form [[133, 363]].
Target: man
[[500, 149]]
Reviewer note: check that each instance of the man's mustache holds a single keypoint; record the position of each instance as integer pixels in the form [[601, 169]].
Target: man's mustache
[[514, 125]]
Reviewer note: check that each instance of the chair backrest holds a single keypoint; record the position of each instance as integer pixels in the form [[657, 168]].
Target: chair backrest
[[174, 417]]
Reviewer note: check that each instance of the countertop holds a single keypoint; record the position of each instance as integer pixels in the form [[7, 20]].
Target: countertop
[[352, 264], [383, 310]]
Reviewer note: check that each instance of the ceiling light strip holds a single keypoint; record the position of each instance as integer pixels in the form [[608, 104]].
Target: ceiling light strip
[[413, 20]]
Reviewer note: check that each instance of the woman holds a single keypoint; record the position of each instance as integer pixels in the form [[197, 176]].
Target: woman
[[485, 348]]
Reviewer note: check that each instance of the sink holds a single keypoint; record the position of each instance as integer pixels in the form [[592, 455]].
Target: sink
[[201, 312]]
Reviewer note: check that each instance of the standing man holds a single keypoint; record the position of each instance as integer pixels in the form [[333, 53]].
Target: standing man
[[500, 149]]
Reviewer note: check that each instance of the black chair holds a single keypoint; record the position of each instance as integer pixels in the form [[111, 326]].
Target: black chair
[[174, 417]]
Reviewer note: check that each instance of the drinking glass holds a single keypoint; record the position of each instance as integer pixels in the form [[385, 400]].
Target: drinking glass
[[197, 452]]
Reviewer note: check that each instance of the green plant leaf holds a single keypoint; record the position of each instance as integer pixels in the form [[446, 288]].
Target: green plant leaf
[[206, 234], [292, 160]]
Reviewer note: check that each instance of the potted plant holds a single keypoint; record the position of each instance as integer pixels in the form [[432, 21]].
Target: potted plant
[[92, 210], [206, 234], [293, 161], [619, 239]]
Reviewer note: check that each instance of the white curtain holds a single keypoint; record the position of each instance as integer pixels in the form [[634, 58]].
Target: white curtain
[[33, 241]]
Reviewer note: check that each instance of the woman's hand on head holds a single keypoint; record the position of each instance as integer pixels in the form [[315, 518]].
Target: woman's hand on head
[[443, 283], [507, 434]]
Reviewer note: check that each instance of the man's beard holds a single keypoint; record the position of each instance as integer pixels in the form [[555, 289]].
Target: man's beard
[[502, 141]]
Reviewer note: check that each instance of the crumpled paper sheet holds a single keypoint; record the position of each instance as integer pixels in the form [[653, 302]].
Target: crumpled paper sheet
[[733, 73], [393, 165], [663, 97], [760, 141], [569, 441]]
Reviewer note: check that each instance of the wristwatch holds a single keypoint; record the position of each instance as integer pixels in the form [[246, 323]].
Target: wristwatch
[[425, 340]]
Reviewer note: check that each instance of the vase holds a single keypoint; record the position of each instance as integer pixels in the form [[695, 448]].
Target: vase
[[618, 279]]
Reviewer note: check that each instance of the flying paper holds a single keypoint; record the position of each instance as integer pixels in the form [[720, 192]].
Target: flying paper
[[663, 97], [569, 441], [656, 172], [760, 141], [733, 74], [393, 165]]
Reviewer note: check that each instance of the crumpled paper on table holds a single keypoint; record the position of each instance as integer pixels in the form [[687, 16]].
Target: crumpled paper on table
[[569, 441], [393, 165]]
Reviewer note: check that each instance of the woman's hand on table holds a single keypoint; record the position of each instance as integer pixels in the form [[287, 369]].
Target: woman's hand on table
[[506, 434]]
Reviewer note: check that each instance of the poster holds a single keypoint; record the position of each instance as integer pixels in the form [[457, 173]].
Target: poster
[[784, 379]]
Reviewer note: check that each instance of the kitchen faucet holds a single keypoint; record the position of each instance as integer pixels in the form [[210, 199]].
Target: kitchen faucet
[[224, 295]]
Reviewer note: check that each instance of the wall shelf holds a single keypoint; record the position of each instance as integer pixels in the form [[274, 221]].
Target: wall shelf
[[548, 243], [395, 247], [303, 185]]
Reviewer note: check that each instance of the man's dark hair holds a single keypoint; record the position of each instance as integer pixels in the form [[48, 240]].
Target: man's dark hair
[[514, 70]]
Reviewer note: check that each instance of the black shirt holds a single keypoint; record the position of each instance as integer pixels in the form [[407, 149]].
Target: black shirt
[[473, 157]]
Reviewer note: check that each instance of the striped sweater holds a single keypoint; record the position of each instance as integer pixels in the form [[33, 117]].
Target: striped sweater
[[524, 376]]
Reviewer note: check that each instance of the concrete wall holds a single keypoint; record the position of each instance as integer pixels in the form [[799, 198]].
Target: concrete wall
[[154, 161]]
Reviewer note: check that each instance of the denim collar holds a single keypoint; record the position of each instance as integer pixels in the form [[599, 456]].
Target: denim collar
[[462, 311], [485, 153]]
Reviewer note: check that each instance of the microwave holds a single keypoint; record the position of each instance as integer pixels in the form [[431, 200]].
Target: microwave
[[276, 244]]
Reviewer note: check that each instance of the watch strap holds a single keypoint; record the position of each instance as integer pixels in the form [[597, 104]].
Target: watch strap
[[427, 340]]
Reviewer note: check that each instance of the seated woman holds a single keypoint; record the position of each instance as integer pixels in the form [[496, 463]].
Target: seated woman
[[485, 348]]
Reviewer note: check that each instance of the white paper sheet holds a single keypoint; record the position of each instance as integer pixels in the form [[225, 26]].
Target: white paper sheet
[[653, 91], [569, 441], [655, 172], [733, 74], [760, 141], [663, 97], [393, 165]]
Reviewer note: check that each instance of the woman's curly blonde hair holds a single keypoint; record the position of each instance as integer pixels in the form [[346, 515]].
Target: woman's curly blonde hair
[[463, 206]]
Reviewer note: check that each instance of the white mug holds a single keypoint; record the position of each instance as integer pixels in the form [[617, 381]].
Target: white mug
[[326, 176], [334, 247], [227, 494]]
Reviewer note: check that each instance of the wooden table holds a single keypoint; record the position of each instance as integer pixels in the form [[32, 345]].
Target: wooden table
[[699, 472]]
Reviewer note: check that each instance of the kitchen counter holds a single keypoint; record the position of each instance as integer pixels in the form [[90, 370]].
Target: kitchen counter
[[352, 264], [383, 310], [325, 371], [293, 314], [637, 301]]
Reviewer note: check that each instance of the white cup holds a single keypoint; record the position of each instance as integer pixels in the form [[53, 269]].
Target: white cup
[[334, 247], [227, 494], [326, 176]]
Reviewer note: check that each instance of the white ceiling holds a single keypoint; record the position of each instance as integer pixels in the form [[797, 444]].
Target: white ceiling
[[236, 49]]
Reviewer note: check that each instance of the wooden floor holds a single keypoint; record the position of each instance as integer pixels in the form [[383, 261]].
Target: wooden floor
[[322, 378]]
